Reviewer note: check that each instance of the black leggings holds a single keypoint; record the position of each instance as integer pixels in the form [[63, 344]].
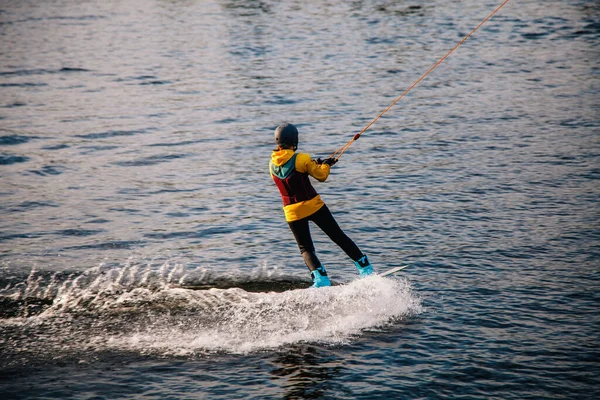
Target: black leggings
[[327, 223]]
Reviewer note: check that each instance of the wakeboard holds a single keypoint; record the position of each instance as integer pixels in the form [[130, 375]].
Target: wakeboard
[[392, 271]]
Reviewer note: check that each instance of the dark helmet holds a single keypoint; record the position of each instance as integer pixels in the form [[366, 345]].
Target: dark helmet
[[286, 135]]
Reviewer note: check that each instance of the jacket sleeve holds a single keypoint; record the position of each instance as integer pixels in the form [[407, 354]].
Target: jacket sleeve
[[318, 171]]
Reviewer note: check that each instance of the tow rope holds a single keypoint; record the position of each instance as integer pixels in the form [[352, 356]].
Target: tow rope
[[338, 153]]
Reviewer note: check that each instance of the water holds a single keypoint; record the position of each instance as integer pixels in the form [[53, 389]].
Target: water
[[143, 251]]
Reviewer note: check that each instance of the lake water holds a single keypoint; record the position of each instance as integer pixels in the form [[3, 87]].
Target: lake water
[[143, 249]]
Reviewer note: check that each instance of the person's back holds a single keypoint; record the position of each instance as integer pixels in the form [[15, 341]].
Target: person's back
[[291, 171]]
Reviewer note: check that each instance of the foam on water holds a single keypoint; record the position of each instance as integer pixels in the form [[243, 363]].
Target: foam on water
[[234, 320], [153, 310]]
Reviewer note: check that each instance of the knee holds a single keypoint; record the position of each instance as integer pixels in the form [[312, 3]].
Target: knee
[[305, 249]]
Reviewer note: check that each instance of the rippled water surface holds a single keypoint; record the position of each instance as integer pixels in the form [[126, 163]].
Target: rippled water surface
[[143, 249]]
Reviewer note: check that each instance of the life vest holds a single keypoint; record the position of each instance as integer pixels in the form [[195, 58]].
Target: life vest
[[293, 185]]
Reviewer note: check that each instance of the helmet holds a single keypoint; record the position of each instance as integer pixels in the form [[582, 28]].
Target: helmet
[[286, 134]]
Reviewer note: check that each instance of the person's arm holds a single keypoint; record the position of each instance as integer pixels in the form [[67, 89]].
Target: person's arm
[[318, 171]]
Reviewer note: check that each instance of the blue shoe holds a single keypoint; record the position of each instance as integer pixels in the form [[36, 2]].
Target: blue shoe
[[320, 278], [364, 266]]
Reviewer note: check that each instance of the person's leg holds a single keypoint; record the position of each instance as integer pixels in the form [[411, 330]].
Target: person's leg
[[301, 232], [324, 220]]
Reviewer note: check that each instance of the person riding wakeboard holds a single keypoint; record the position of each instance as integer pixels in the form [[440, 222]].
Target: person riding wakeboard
[[302, 203]]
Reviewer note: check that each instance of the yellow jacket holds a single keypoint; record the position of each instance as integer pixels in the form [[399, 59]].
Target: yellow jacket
[[304, 164]]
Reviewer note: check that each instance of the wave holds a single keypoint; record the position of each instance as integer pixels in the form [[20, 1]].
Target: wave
[[173, 310]]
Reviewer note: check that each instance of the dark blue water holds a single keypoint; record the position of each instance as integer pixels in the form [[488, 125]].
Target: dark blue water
[[143, 249]]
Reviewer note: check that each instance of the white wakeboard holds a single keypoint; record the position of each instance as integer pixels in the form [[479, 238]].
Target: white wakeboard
[[392, 271]]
